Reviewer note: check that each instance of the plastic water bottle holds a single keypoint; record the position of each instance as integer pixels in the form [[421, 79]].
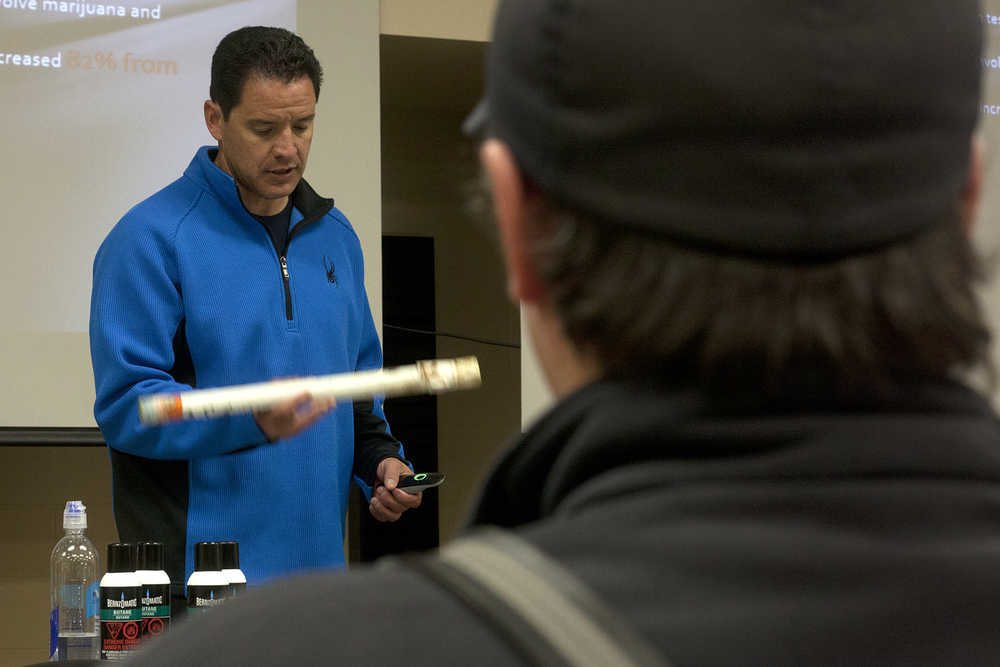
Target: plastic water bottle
[[75, 567]]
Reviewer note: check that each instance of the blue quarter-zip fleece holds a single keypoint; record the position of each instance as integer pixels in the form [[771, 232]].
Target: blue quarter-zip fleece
[[190, 271]]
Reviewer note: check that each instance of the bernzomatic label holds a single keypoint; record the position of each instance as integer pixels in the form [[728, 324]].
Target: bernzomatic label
[[121, 621], [200, 598], [154, 602]]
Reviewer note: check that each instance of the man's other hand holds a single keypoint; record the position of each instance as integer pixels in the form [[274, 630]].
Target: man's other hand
[[388, 503]]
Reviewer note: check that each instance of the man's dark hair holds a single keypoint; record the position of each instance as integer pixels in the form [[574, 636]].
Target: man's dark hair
[[863, 324], [259, 51]]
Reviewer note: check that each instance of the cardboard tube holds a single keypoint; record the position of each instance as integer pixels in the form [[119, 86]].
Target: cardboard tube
[[424, 377]]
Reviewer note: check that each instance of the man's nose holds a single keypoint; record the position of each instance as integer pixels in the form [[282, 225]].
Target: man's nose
[[284, 144]]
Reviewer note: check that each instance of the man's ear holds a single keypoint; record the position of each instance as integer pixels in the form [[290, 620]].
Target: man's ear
[[510, 205], [972, 193], [213, 119]]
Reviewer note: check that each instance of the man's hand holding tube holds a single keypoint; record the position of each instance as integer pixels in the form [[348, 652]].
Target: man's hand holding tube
[[292, 416]]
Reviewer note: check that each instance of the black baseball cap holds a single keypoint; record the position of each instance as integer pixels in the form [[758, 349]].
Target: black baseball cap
[[804, 130]]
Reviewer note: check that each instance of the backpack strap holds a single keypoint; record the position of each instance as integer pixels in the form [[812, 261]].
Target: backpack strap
[[543, 611]]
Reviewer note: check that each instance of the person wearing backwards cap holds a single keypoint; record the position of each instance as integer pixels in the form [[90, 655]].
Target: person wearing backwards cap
[[740, 234]]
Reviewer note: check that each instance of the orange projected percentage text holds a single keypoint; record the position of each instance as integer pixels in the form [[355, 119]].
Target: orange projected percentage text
[[99, 60], [127, 63], [105, 60]]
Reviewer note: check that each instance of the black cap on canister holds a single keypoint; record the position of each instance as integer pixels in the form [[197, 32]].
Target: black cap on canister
[[121, 557], [230, 555], [150, 556], [207, 556]]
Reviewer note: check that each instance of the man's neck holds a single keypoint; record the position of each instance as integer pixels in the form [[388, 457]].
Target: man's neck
[[566, 367], [259, 206], [251, 202]]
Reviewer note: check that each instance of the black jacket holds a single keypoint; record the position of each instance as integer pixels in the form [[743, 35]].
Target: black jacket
[[810, 533]]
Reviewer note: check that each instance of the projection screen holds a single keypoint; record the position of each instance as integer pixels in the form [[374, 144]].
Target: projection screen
[[102, 106]]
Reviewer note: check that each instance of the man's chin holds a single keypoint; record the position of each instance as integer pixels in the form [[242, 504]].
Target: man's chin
[[281, 190]]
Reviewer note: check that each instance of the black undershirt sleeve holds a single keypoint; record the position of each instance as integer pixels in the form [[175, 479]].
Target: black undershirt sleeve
[[372, 442]]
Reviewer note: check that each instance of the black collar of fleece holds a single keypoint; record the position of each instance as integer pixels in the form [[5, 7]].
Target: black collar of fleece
[[612, 438]]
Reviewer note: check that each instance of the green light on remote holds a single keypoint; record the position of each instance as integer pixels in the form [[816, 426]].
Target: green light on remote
[[420, 476]]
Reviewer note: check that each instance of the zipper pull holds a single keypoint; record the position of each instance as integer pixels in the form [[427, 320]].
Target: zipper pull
[[284, 267]]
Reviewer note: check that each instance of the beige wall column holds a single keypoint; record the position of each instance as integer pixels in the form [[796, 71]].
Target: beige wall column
[[443, 19], [345, 159], [466, 20]]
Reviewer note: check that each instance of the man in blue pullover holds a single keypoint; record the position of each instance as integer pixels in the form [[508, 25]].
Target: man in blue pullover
[[239, 272]]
